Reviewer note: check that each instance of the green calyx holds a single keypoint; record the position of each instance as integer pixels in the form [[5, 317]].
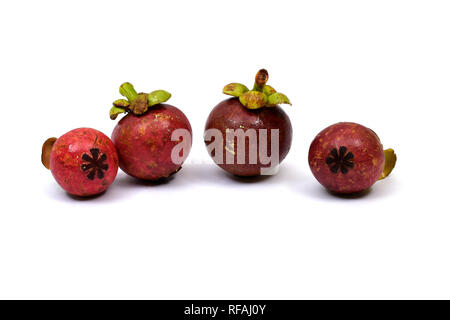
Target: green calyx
[[137, 103], [157, 96], [261, 95]]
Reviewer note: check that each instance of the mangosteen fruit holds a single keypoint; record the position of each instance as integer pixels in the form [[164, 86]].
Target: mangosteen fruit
[[348, 158], [154, 138], [83, 161], [249, 134]]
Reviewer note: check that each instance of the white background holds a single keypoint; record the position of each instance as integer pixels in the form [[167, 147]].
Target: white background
[[204, 234]]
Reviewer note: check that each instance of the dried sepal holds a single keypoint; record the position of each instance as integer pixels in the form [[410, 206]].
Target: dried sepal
[[121, 103], [115, 111], [253, 99], [390, 159], [235, 89], [139, 105], [46, 151], [277, 98], [157, 97]]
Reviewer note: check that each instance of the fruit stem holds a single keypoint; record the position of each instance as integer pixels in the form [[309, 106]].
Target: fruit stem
[[260, 80], [127, 90], [46, 150]]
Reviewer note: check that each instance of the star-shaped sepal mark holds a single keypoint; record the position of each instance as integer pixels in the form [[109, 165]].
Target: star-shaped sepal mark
[[340, 160], [95, 165]]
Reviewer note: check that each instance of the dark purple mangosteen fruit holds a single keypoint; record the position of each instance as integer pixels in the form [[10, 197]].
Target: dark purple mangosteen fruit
[[249, 134], [347, 158]]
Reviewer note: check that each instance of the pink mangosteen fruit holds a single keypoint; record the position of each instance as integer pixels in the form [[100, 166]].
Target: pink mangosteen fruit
[[83, 161], [154, 138]]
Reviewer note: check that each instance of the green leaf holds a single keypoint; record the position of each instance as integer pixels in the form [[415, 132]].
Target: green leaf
[[235, 89], [115, 111], [158, 96], [277, 98], [253, 99], [268, 90]]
